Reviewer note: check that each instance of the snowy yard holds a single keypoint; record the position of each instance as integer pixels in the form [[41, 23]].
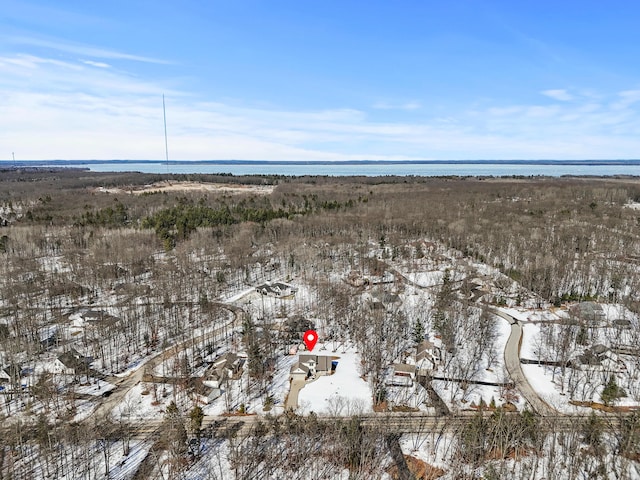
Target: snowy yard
[[343, 393]]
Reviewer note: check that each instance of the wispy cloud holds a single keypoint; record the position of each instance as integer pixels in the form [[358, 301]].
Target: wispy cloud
[[559, 94], [96, 64], [397, 106], [80, 49], [73, 110]]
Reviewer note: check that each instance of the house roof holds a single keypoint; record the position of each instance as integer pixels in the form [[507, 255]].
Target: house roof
[[12, 370], [196, 387], [306, 358], [422, 354], [298, 323], [299, 366], [100, 317], [276, 288], [588, 310], [385, 297], [75, 362], [228, 358], [599, 349], [377, 306], [404, 368], [324, 363], [213, 373], [424, 345]]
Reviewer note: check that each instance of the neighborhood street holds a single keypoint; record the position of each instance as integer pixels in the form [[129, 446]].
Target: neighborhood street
[[125, 385]]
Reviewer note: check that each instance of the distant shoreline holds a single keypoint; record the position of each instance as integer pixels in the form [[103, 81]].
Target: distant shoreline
[[373, 168], [585, 162]]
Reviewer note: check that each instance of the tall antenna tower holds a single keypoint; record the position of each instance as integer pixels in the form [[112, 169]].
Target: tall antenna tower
[[166, 144]]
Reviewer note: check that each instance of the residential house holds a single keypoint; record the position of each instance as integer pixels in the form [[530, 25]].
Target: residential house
[[403, 375], [100, 317], [588, 313], [5, 377], [72, 362], [427, 357], [299, 372], [312, 366], [276, 289], [10, 376], [48, 336], [356, 280], [203, 394], [381, 300], [602, 358], [229, 363], [213, 378], [225, 367]]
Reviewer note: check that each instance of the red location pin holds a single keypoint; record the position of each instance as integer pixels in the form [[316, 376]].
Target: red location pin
[[310, 338]]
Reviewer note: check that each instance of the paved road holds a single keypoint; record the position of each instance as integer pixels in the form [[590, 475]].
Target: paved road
[[386, 423], [124, 385], [512, 363]]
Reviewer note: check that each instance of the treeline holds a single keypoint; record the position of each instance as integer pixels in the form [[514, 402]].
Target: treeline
[[111, 217], [176, 223], [518, 446]]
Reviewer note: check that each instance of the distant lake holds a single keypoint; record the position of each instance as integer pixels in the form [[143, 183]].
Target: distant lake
[[462, 168]]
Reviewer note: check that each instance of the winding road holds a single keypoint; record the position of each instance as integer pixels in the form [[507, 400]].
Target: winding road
[[124, 385]]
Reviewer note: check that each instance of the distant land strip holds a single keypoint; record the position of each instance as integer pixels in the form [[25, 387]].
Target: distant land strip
[[586, 162]]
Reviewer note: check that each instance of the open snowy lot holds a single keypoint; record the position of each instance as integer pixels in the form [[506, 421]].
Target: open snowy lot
[[343, 393]]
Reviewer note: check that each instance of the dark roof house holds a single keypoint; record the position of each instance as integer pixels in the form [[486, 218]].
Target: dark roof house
[[311, 365], [276, 289], [72, 362]]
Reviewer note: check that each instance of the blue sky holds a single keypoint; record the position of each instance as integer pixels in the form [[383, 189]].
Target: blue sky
[[320, 80]]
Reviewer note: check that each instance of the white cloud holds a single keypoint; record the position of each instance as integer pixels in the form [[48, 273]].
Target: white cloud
[[80, 49], [397, 106], [626, 99], [72, 110], [96, 64], [561, 95]]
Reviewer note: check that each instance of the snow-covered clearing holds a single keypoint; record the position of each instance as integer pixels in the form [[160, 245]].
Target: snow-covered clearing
[[343, 393]]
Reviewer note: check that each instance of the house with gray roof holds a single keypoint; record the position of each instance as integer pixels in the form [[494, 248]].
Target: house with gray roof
[[276, 289], [312, 366], [427, 357]]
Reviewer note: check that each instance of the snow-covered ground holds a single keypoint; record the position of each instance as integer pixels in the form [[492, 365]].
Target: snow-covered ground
[[95, 388], [426, 279], [583, 383], [343, 393]]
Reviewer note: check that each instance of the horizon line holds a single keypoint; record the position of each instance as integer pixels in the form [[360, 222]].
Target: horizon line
[[595, 162]]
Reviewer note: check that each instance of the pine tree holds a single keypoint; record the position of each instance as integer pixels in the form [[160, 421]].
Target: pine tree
[[611, 391], [418, 332]]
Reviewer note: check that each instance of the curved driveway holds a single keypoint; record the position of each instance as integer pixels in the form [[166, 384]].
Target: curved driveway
[[512, 363]]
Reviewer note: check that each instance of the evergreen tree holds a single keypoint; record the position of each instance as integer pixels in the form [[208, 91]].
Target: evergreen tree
[[611, 391], [418, 332]]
